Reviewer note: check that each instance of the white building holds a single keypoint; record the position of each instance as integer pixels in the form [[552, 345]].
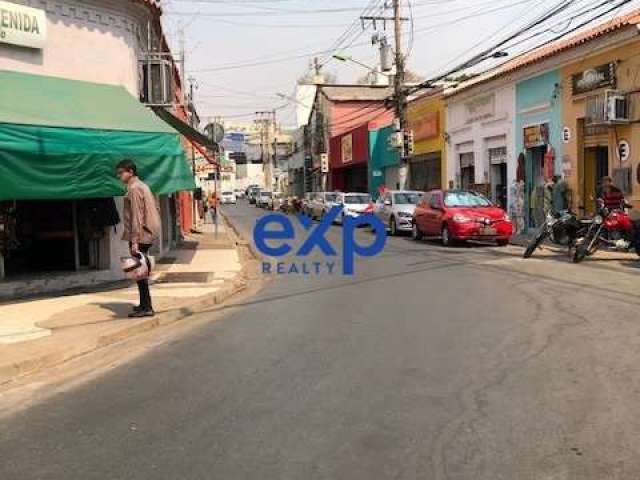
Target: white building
[[480, 142], [105, 43]]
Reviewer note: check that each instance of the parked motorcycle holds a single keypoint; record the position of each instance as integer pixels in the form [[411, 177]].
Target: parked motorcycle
[[562, 228], [611, 228]]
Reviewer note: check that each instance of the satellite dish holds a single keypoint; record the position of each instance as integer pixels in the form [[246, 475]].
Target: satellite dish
[[215, 131]]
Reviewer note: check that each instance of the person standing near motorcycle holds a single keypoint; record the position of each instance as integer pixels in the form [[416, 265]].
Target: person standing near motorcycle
[[611, 195], [559, 194], [613, 198]]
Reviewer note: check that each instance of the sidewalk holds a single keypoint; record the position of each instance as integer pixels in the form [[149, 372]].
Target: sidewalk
[[35, 334]]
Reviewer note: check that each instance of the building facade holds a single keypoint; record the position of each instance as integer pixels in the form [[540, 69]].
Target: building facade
[[83, 74], [480, 139], [426, 117]]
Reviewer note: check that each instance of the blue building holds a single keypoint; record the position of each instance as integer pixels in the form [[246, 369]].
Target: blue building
[[537, 139]]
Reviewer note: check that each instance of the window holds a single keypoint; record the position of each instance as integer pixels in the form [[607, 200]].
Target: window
[[406, 198], [466, 199], [357, 199]]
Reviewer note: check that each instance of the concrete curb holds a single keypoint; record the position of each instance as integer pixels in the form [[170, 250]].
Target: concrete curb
[[13, 371]]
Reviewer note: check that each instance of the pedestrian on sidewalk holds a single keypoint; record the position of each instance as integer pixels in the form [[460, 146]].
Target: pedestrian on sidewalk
[[213, 206], [141, 227]]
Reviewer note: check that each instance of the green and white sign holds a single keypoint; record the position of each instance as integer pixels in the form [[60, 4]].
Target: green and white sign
[[23, 26]]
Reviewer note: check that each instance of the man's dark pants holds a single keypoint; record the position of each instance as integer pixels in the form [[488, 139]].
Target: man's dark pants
[[143, 285]]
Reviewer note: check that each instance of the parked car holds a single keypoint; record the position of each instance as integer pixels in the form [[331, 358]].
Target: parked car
[[460, 215], [275, 201], [306, 202], [228, 197], [263, 198], [252, 194], [353, 205], [239, 193], [321, 203], [395, 208]]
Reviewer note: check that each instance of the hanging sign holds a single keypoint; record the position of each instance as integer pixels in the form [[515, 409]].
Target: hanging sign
[[536, 135], [22, 26], [347, 148], [624, 150], [566, 135], [594, 78]]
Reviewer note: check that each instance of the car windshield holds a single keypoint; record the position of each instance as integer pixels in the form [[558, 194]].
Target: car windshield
[[330, 197], [406, 198], [357, 199], [227, 193], [266, 194], [466, 199]]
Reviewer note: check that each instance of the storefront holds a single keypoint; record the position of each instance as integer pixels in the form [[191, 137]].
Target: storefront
[[383, 167], [349, 159], [599, 140], [480, 152], [538, 126], [426, 116], [57, 162]]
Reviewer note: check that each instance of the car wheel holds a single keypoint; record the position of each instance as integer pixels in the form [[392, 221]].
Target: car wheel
[[502, 243], [393, 228], [416, 234], [447, 241]]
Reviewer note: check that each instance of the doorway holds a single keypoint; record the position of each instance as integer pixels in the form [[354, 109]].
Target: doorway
[[534, 186], [596, 166]]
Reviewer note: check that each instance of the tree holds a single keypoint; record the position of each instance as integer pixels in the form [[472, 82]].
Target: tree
[[310, 78]]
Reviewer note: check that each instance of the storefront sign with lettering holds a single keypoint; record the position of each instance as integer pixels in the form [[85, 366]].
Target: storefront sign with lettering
[[480, 108], [23, 26], [427, 126], [536, 135], [594, 78]]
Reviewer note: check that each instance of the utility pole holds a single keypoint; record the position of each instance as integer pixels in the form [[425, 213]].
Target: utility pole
[[400, 95], [266, 119], [399, 92]]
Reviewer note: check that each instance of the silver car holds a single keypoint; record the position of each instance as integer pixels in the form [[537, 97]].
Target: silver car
[[395, 208], [321, 203], [353, 205]]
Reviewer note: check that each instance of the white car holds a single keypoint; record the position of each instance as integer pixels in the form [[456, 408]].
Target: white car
[[275, 201], [321, 203], [228, 197], [353, 205], [263, 198]]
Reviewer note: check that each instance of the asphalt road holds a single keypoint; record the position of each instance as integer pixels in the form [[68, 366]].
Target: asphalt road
[[429, 363]]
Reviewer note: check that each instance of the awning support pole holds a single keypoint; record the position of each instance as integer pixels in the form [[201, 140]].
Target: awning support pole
[[76, 240]]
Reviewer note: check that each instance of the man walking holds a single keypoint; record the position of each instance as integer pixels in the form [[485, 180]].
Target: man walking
[[141, 226]]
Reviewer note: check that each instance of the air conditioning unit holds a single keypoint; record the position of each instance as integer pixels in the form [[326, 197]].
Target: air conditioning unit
[[616, 107], [156, 86]]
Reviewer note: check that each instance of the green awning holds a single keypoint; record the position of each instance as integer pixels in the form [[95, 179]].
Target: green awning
[[61, 139]]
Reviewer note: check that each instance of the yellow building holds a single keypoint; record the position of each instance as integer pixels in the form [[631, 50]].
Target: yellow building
[[427, 120], [600, 111]]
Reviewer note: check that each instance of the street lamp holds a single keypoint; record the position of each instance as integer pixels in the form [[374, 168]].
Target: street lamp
[[348, 58]]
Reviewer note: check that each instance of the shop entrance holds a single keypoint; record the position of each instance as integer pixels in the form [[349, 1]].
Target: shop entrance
[[498, 176], [467, 171], [595, 166], [534, 185], [52, 236], [355, 179], [425, 172]]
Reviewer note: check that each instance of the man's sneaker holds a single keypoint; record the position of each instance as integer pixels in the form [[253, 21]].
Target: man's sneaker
[[138, 308], [141, 313]]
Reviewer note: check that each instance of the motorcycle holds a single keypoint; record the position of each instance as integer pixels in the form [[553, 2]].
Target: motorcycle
[[562, 228], [611, 228]]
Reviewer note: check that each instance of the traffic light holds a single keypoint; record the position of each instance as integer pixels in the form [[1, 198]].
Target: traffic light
[[408, 143]]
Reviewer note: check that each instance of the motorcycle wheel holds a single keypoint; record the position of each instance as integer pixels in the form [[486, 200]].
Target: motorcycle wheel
[[535, 243]]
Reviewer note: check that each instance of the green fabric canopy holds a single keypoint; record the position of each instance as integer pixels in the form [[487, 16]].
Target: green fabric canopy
[[61, 139]]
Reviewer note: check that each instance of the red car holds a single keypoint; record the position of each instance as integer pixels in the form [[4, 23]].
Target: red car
[[460, 215]]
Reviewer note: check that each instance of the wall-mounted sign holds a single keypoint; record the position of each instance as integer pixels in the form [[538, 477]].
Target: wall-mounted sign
[[23, 26], [594, 78], [347, 148], [426, 126], [324, 163], [480, 108], [624, 150], [536, 135], [566, 135]]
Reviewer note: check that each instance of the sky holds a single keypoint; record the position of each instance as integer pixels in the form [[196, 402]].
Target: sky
[[242, 53]]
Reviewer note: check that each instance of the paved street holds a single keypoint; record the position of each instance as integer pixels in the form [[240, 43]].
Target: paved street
[[430, 363]]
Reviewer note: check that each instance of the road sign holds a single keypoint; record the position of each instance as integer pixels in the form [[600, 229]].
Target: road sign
[[215, 131]]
